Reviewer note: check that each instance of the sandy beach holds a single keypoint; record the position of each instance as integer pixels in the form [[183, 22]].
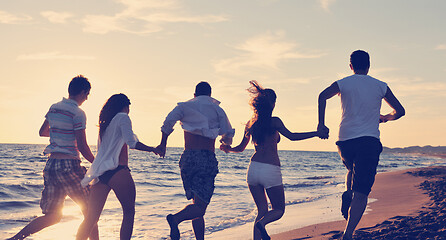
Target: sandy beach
[[406, 204]]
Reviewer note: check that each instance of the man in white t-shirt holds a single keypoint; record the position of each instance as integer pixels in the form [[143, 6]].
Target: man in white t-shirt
[[359, 143]]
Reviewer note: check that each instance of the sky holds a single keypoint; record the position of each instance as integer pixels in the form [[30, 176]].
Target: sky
[[156, 51]]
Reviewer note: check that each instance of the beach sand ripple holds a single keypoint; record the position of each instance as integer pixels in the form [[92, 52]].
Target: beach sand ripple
[[428, 224], [409, 204]]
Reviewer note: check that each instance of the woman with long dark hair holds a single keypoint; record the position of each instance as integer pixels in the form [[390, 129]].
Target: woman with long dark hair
[[109, 170], [264, 172]]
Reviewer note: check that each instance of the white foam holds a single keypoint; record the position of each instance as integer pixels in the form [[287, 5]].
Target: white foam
[[296, 216]]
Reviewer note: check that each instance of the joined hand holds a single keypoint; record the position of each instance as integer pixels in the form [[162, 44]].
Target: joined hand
[[160, 150], [225, 148], [323, 131]]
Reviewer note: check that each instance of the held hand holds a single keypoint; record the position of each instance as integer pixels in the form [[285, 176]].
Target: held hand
[[323, 131], [157, 151], [161, 150], [225, 148], [226, 141], [322, 135]]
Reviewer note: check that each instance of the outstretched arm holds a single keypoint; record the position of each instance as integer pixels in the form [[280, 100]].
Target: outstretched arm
[[398, 109], [278, 124], [161, 149], [328, 93], [241, 147], [226, 129], [142, 147], [175, 115], [130, 138]]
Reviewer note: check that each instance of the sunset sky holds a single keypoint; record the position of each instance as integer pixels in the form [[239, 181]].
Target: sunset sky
[[157, 51]]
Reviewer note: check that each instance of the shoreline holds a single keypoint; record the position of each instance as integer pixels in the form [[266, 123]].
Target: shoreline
[[311, 198], [396, 197]]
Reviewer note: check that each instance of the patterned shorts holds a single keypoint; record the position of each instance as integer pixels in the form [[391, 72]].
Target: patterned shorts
[[198, 171], [63, 177]]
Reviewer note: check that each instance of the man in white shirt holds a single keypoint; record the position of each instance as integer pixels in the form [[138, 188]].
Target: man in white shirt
[[359, 143], [202, 120]]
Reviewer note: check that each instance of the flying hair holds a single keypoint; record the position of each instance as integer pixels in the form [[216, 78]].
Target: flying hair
[[262, 102]]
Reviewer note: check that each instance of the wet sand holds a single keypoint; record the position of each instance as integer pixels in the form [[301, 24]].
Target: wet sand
[[407, 204]]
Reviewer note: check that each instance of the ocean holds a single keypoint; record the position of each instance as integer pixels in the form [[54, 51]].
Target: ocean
[[313, 182]]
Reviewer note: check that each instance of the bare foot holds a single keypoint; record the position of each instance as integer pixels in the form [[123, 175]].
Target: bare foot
[[346, 202], [174, 231], [345, 237], [263, 232]]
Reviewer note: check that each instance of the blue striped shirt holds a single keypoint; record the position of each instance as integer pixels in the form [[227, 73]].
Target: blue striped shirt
[[64, 118]]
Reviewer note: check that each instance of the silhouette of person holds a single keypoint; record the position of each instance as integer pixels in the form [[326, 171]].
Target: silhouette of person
[[359, 137], [202, 120], [65, 125], [264, 173]]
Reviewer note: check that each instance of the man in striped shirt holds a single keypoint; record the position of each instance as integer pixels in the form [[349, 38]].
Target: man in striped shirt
[[65, 125]]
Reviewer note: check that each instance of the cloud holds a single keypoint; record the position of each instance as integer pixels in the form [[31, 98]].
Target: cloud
[[144, 16], [416, 86], [440, 47], [8, 18], [263, 51], [287, 81], [383, 70], [52, 56], [431, 89], [325, 4], [56, 17], [101, 24]]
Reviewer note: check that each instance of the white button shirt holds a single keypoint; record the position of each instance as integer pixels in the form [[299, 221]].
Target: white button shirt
[[118, 132], [202, 116]]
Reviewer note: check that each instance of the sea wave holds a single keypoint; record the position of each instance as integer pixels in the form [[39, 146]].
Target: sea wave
[[305, 200], [309, 184], [319, 177], [5, 205], [307, 177], [243, 217]]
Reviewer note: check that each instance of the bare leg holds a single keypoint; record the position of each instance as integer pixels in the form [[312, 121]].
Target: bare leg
[[276, 196], [98, 196], [258, 194], [348, 180], [191, 211], [94, 232], [174, 231], [199, 227], [357, 208], [347, 195], [124, 187], [38, 224], [195, 212]]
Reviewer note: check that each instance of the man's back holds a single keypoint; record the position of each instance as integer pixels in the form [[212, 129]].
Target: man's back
[[359, 144], [202, 120], [64, 118], [361, 97]]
